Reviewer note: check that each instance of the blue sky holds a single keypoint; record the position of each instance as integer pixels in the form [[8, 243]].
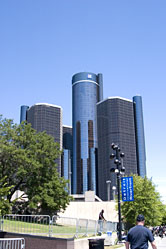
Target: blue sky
[[43, 43]]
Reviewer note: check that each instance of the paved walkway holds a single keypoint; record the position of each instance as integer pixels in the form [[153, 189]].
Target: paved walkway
[[161, 243]]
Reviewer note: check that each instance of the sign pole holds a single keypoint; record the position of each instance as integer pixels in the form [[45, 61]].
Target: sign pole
[[119, 209], [119, 204]]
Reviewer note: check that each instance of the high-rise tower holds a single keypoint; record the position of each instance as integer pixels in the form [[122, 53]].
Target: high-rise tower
[[45, 117], [67, 156], [23, 113], [87, 90], [119, 121], [140, 138]]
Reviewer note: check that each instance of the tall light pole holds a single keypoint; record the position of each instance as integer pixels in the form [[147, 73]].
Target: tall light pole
[[108, 189], [119, 170], [114, 189]]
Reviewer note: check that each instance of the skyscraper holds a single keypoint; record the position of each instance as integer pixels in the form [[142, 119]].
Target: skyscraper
[[140, 137], [117, 120], [87, 90], [23, 113], [67, 157], [45, 117], [68, 138]]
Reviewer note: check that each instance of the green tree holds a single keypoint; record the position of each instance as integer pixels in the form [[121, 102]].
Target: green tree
[[146, 202], [5, 206], [164, 216], [27, 158]]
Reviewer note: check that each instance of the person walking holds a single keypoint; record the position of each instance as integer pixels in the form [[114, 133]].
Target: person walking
[[101, 215], [139, 236], [100, 221]]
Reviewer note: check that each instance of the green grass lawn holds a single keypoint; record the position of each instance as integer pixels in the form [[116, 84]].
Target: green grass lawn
[[55, 230]]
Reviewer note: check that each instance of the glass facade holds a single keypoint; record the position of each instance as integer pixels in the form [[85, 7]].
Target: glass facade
[[67, 168], [47, 117], [67, 157], [68, 138], [140, 138], [92, 169], [86, 92], [115, 120], [23, 113]]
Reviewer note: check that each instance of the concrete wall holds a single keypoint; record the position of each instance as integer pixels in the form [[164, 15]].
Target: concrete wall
[[41, 242], [91, 210]]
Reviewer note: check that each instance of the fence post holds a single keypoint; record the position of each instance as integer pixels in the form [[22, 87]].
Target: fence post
[[87, 223], [50, 226], [77, 223], [2, 221], [96, 224]]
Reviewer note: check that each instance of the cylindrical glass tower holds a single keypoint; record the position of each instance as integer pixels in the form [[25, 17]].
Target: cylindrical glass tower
[[140, 138], [86, 92], [23, 113]]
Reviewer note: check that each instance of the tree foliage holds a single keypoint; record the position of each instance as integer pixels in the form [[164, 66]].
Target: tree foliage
[[27, 158], [5, 205], [164, 216], [146, 202]]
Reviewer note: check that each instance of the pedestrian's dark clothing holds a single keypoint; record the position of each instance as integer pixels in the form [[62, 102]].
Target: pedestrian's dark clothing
[[101, 216], [139, 236]]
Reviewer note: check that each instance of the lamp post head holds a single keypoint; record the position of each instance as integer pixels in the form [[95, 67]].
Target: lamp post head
[[123, 169], [122, 154], [112, 156], [116, 161], [114, 146]]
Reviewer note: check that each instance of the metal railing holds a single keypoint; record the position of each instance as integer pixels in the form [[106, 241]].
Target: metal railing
[[27, 224], [17, 243], [64, 226], [56, 226]]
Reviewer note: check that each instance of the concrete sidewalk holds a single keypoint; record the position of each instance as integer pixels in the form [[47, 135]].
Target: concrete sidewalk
[[157, 240], [161, 243]]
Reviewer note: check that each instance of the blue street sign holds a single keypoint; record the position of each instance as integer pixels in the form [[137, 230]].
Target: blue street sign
[[127, 188]]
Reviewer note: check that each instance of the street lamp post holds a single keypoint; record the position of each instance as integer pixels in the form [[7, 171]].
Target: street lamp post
[[119, 170], [108, 189]]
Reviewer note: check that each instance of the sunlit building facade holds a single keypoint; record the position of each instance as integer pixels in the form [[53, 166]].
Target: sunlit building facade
[[87, 90], [119, 121], [45, 117], [140, 137]]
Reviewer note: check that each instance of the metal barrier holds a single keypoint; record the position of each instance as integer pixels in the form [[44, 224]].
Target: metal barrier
[[111, 226], [29, 224], [82, 227], [17, 243], [105, 226], [92, 227], [64, 226], [57, 226]]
